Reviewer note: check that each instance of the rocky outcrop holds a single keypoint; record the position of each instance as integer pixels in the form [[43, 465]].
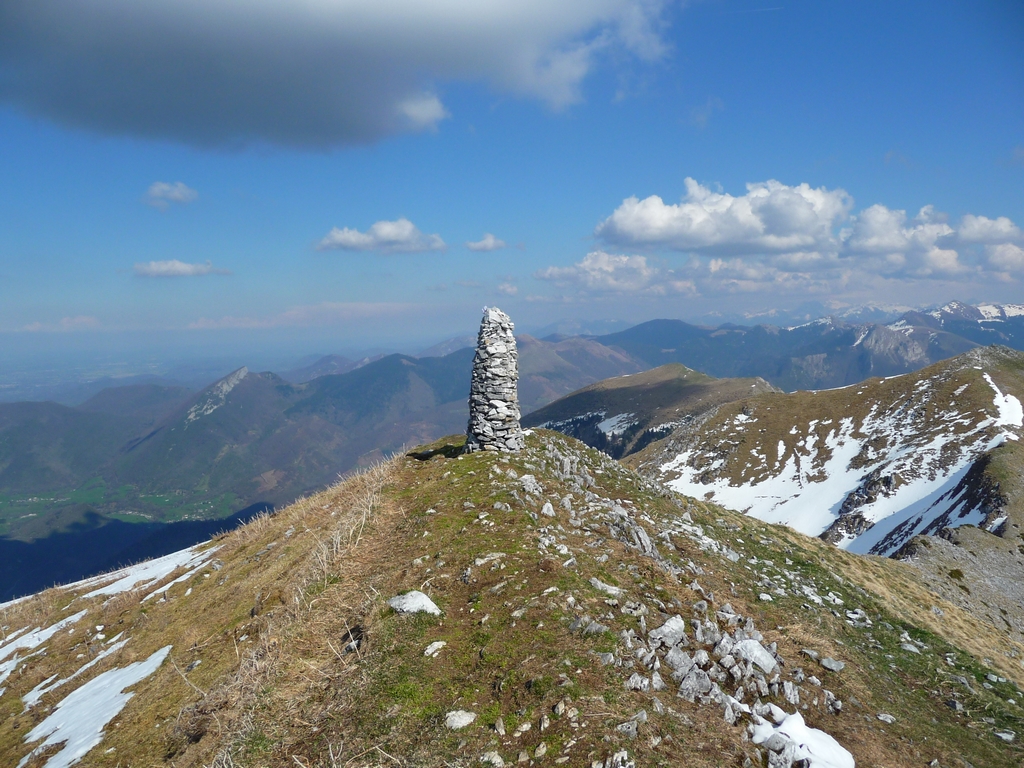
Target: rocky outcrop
[[493, 396]]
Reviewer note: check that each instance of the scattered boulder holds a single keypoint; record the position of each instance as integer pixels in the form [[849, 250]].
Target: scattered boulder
[[459, 718], [669, 633], [608, 589], [414, 602], [752, 651], [434, 648], [832, 665]]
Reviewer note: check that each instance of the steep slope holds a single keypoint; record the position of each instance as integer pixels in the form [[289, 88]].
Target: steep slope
[[870, 466], [584, 617], [622, 415]]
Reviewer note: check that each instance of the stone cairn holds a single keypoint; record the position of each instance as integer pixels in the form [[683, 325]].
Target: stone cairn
[[493, 398]]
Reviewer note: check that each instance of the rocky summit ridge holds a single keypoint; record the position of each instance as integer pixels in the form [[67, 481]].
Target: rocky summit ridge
[[585, 616]]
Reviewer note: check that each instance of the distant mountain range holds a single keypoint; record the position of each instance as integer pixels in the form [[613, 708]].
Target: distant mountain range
[[157, 454], [827, 352]]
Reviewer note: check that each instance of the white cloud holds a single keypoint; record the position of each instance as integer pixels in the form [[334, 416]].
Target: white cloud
[[487, 243], [312, 74], [508, 289], [64, 325], [981, 229], [175, 268], [919, 247], [1006, 257], [400, 236], [161, 194], [605, 272], [812, 235], [770, 218]]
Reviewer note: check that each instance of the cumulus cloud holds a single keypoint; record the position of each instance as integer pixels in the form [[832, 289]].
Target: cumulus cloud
[[325, 313], [487, 243], [161, 194], [981, 229], [920, 247], [612, 273], [771, 218], [1006, 257], [175, 268], [400, 236], [808, 238], [314, 74]]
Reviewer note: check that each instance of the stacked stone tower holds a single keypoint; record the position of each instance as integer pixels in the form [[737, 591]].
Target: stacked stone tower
[[493, 394]]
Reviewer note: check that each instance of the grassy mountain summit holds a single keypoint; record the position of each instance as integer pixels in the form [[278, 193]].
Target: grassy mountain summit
[[585, 617]]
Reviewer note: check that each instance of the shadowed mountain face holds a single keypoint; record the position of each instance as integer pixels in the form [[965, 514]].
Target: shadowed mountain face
[[624, 414], [158, 455]]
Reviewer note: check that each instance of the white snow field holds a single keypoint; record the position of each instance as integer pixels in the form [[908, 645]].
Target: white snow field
[[805, 485], [78, 721]]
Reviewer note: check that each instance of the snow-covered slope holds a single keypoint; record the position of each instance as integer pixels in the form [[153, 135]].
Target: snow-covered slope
[[868, 466]]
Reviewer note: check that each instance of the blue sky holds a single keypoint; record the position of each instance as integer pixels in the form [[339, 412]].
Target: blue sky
[[306, 177]]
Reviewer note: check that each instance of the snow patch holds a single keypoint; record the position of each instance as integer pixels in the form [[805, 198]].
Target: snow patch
[[1011, 413], [810, 489], [32, 697], [147, 573], [616, 425], [78, 721], [816, 747]]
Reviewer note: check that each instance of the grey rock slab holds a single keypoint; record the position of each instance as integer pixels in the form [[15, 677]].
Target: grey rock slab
[[753, 651], [459, 718], [414, 602], [669, 633], [832, 665], [695, 683], [608, 589]]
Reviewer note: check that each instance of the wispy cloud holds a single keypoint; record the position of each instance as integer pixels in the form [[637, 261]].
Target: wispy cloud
[[161, 194], [175, 268], [508, 289], [65, 325], [323, 314], [487, 243], [400, 236], [699, 116]]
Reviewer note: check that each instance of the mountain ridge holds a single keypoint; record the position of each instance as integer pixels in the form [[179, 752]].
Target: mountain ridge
[[560, 634]]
